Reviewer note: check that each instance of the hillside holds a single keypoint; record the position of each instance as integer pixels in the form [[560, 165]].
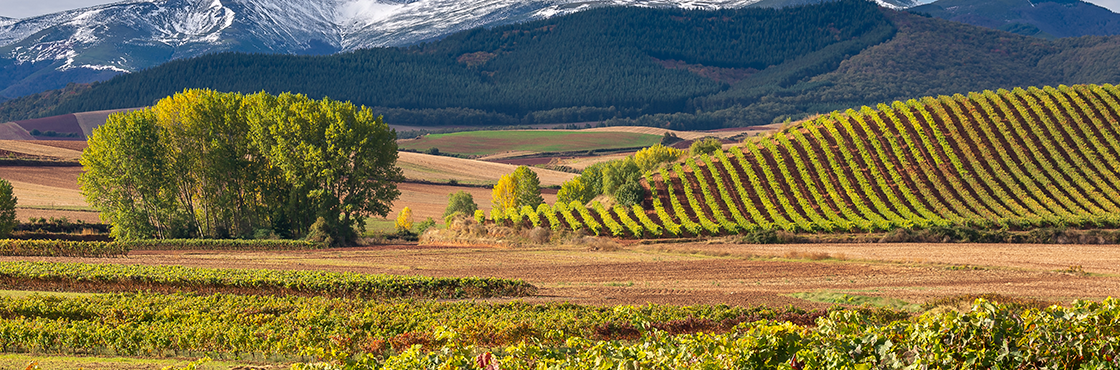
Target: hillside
[[604, 66], [1021, 159], [1045, 18], [95, 43], [603, 63]]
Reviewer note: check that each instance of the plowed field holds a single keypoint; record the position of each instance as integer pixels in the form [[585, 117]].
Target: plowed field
[[710, 274]]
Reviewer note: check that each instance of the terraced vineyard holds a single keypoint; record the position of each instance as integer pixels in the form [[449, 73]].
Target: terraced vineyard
[[1024, 158]]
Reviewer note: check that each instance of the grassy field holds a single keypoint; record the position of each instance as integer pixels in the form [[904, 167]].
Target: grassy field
[[492, 142]]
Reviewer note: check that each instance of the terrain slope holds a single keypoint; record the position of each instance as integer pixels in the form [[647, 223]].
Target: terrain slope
[[1022, 159]]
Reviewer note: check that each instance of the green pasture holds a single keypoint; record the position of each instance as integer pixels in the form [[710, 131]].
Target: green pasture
[[493, 142]]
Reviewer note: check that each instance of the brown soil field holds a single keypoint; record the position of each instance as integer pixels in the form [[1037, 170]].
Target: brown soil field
[[687, 273], [12, 131], [66, 123], [34, 147], [48, 192], [436, 168], [78, 145]]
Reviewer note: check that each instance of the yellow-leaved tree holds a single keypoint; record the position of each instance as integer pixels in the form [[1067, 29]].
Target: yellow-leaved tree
[[518, 189], [404, 221], [504, 195]]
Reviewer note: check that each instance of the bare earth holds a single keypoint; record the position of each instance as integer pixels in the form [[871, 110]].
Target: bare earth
[[687, 274]]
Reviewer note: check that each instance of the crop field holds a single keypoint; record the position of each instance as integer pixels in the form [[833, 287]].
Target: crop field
[[1007, 160], [1019, 159], [442, 169], [262, 303], [493, 142]]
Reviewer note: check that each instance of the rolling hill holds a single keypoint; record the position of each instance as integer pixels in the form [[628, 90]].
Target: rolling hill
[[1021, 159]]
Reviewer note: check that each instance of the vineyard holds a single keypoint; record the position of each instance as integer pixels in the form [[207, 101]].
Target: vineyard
[[171, 279], [337, 333], [1019, 159]]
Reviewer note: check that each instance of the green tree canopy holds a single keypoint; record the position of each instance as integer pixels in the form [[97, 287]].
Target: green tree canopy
[[520, 188], [208, 164], [528, 187], [460, 201], [7, 209]]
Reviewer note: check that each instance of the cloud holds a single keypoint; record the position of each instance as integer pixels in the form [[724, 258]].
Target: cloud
[[31, 8]]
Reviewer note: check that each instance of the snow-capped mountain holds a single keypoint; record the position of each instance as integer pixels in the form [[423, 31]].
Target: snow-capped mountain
[[96, 42]]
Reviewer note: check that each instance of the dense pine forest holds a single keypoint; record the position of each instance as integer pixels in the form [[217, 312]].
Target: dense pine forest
[[637, 66]]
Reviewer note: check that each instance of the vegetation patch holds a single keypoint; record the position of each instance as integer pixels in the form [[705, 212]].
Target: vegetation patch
[[267, 326], [493, 142], [222, 244], [61, 248], [1018, 166], [988, 336], [124, 278]]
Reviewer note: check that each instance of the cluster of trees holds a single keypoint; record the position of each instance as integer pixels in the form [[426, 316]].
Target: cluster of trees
[[202, 163], [518, 189], [620, 178], [39, 104]]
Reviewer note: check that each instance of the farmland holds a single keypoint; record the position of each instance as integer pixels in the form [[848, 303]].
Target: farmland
[[706, 287], [493, 142], [1006, 164], [1020, 159]]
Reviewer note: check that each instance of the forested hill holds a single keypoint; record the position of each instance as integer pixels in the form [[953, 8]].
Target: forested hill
[[598, 58], [646, 66]]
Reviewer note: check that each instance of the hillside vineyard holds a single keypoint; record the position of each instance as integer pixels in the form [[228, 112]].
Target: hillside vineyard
[[1019, 159]]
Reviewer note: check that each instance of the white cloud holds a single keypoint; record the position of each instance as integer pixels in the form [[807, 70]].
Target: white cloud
[[31, 8]]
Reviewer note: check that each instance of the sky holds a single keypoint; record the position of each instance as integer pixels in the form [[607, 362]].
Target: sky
[[30, 8]]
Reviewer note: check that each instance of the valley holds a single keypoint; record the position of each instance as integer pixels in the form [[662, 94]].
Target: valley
[[630, 184]]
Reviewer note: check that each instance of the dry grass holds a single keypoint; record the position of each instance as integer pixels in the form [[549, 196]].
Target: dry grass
[[813, 256], [34, 148]]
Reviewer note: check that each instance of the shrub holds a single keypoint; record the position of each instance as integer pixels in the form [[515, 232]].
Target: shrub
[[425, 225], [706, 145], [630, 193], [460, 201]]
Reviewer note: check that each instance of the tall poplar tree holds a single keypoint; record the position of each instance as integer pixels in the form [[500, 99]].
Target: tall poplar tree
[[209, 164]]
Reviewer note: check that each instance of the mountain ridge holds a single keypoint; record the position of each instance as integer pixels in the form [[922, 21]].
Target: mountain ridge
[[1047, 18], [88, 44], [672, 79]]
